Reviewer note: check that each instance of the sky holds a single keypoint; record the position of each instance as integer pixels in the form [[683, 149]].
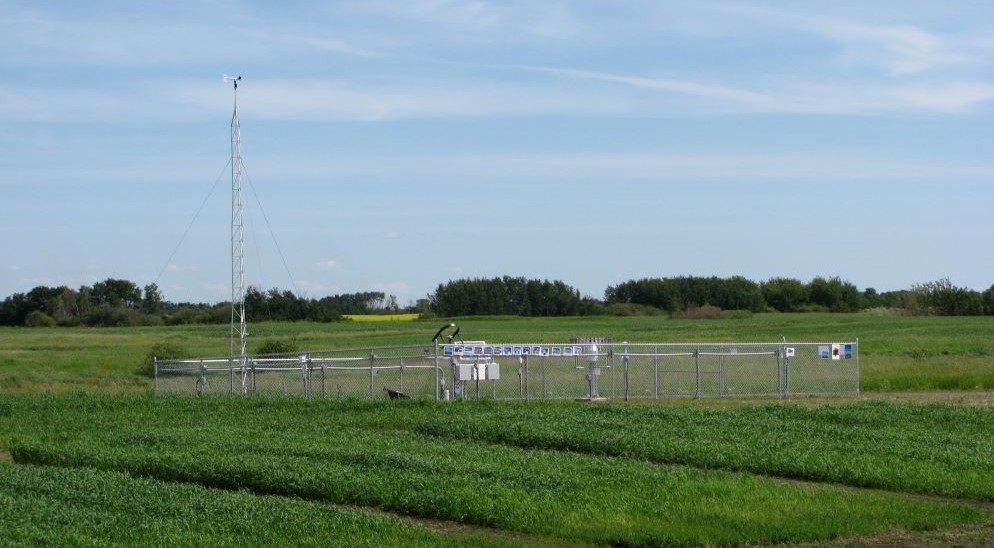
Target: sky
[[394, 146]]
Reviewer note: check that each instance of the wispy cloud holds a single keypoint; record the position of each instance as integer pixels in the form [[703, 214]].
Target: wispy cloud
[[37, 36], [682, 87], [329, 264], [479, 20], [317, 289], [952, 97], [896, 49], [392, 288], [605, 94], [656, 167]]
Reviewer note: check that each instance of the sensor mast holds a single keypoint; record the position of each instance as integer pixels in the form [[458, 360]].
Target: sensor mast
[[239, 329]]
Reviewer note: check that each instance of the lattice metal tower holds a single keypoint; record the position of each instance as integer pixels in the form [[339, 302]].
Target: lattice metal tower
[[239, 329]]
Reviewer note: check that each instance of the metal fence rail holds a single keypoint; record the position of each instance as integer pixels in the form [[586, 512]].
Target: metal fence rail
[[528, 371]]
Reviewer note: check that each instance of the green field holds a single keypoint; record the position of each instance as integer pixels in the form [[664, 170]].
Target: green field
[[546, 482], [897, 353], [89, 457]]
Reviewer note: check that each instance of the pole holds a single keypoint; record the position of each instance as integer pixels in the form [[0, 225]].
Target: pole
[[239, 333]]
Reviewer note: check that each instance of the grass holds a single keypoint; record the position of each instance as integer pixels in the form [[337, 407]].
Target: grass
[[54, 506], [374, 454], [681, 473], [898, 353], [929, 449]]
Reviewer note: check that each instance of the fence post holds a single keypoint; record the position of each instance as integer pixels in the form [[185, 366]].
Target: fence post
[[525, 360], [202, 382], [697, 374], [434, 362], [776, 356], [624, 365], [306, 366], [655, 372], [372, 374], [782, 358], [324, 394], [856, 349], [721, 372], [155, 375], [545, 391], [786, 375], [610, 363], [521, 380]]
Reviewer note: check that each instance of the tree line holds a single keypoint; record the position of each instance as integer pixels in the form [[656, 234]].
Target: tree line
[[120, 303], [116, 302], [821, 294], [508, 296]]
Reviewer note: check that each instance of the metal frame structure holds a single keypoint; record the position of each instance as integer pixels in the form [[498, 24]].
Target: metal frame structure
[[239, 333]]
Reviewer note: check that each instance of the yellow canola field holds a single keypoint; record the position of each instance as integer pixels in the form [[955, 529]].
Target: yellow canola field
[[381, 317]]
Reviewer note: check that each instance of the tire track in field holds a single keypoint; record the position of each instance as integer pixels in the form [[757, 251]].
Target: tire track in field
[[458, 528]]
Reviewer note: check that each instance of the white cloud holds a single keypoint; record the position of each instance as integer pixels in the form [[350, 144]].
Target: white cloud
[[470, 21], [392, 288], [898, 50], [316, 289], [564, 92], [330, 264], [174, 267], [952, 97], [735, 96], [656, 166], [392, 234]]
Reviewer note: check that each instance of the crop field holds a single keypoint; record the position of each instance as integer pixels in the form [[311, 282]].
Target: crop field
[[53, 506], [89, 457], [587, 479]]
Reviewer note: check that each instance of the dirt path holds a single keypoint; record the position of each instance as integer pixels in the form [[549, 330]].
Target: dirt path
[[981, 535], [459, 529], [979, 398]]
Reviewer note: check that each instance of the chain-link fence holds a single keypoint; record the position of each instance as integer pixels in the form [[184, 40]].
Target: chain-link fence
[[587, 369]]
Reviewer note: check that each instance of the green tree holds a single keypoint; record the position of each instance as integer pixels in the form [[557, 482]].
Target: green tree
[[941, 297], [151, 299], [37, 318], [114, 292], [785, 294], [834, 294], [987, 298]]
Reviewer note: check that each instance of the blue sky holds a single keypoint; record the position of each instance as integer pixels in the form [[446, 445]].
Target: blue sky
[[392, 146]]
